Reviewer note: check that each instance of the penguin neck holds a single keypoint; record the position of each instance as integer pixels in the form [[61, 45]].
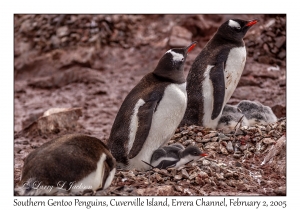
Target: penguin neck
[[183, 154], [177, 77], [220, 38]]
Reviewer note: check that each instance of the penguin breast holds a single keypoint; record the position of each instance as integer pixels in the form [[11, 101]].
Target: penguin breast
[[166, 119], [233, 70]]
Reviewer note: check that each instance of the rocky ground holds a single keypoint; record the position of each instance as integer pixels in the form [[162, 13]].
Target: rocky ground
[[87, 64]]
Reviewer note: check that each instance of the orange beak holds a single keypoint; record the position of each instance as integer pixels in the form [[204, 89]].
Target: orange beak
[[191, 47], [252, 22]]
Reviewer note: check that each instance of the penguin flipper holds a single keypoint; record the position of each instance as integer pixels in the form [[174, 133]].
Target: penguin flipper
[[145, 114], [218, 82]]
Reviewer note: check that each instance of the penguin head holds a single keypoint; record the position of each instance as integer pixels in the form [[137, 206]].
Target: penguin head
[[235, 29], [194, 152], [170, 66]]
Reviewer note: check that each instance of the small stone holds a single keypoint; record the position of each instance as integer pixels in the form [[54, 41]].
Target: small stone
[[177, 136], [203, 140], [184, 174], [238, 164], [268, 141], [62, 31], [229, 147], [220, 176], [279, 41], [223, 137], [228, 175], [203, 174], [178, 177], [185, 132], [280, 191], [199, 134], [214, 139], [243, 147], [158, 177], [205, 162], [223, 149], [207, 180], [188, 142], [193, 175], [237, 155]]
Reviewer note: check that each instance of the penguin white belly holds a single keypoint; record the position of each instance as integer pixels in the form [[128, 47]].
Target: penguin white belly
[[233, 70], [207, 93], [165, 120], [93, 180]]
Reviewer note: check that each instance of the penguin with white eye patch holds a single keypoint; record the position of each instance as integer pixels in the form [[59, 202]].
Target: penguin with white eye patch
[[215, 74], [151, 112], [175, 155], [256, 113], [68, 164]]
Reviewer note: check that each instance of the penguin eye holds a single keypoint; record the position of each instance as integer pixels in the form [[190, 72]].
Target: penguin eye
[[238, 27]]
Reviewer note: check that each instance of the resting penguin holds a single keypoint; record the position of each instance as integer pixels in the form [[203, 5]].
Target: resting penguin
[[71, 163], [151, 112], [175, 156], [231, 117], [215, 74], [256, 113]]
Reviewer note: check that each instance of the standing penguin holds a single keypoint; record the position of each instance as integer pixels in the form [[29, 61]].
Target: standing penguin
[[215, 74], [151, 112], [71, 163]]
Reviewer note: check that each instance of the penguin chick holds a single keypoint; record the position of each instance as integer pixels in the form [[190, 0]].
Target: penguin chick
[[71, 163], [231, 118], [215, 74], [257, 113], [175, 156], [151, 112]]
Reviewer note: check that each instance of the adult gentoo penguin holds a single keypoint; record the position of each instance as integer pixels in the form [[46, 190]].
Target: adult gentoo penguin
[[151, 112], [71, 163], [215, 74], [175, 155]]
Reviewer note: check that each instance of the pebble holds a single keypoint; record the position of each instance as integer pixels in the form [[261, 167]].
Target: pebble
[[268, 141], [223, 149], [214, 139], [223, 137], [184, 174], [205, 162], [229, 147]]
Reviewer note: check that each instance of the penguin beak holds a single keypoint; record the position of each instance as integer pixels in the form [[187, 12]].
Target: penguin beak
[[190, 47], [252, 22], [203, 154]]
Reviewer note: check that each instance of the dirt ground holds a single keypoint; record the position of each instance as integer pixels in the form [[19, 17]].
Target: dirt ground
[[89, 63]]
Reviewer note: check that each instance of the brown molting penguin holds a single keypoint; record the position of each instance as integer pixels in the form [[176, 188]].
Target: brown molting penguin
[[71, 163], [215, 74], [151, 112]]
